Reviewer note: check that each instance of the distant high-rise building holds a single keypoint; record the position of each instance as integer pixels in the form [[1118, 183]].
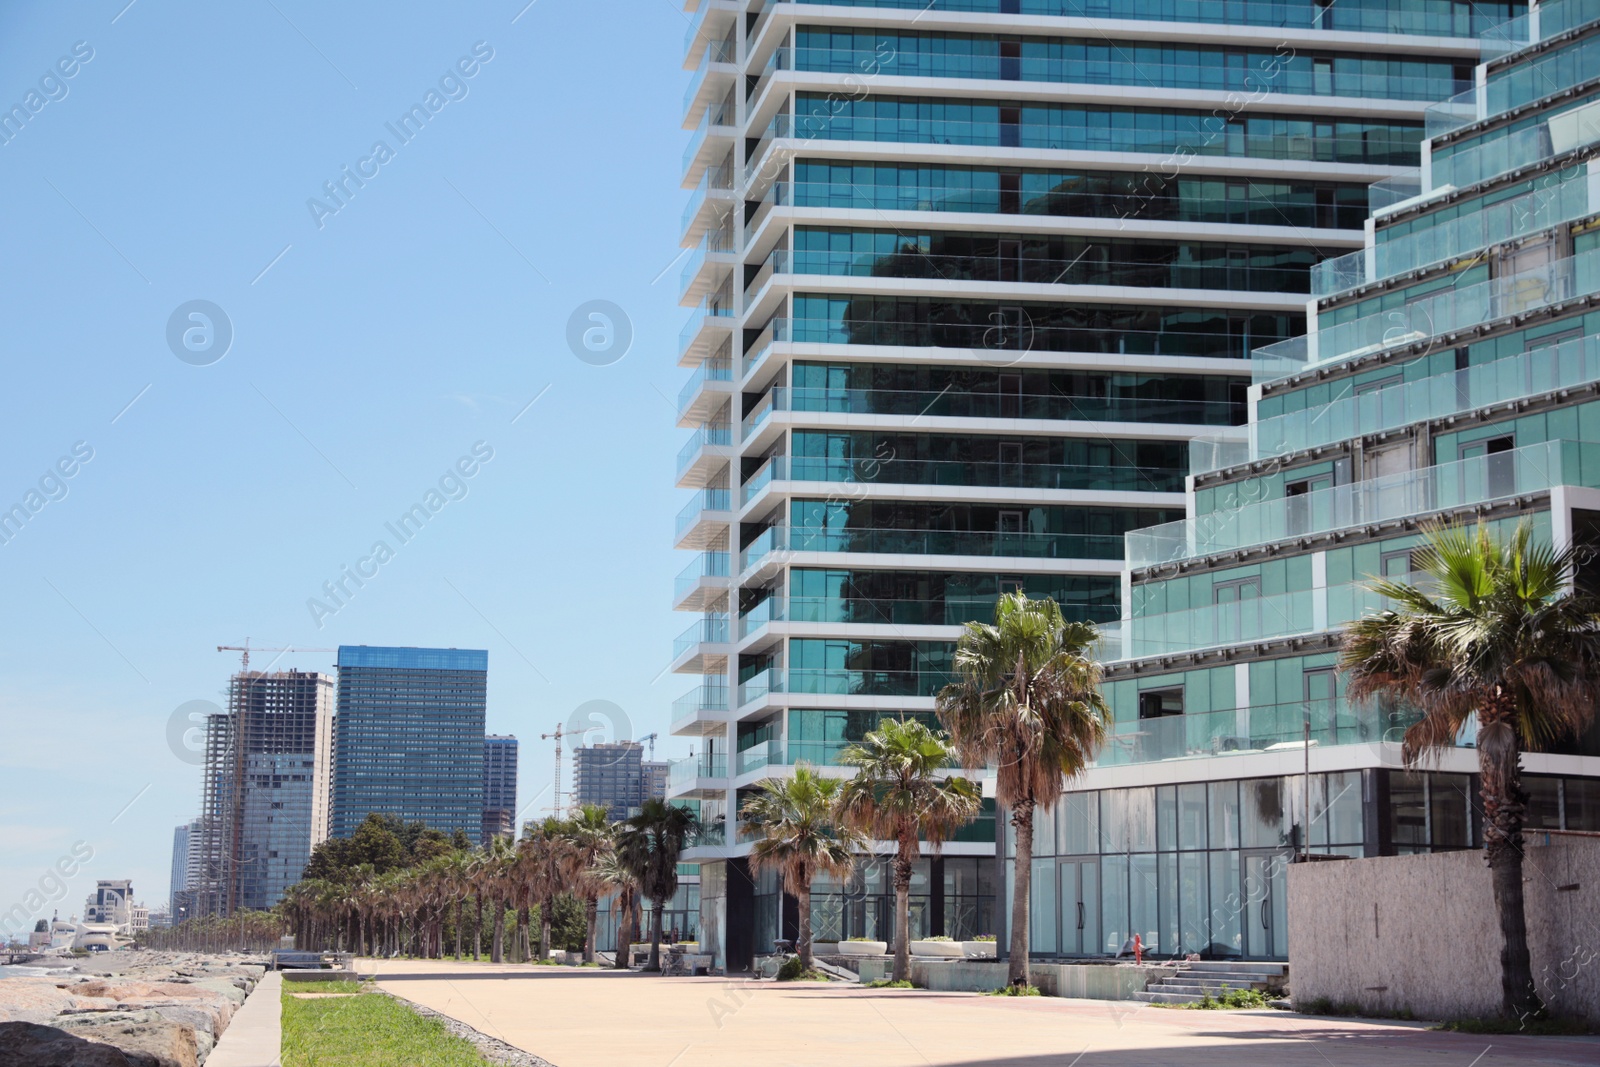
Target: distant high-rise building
[[111, 902], [180, 866], [267, 774], [499, 786], [616, 776], [409, 740]]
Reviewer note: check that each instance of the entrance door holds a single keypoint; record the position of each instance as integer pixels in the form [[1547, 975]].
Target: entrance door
[[1266, 905], [1080, 907]]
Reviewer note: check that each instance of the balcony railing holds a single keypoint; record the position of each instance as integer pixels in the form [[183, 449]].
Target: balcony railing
[[704, 565], [685, 774], [995, 404], [1084, 270], [714, 309], [1265, 618], [710, 630], [1262, 728], [1435, 314], [1565, 365], [1483, 226], [719, 118], [1251, 209], [715, 242], [1288, 77], [1440, 488], [1517, 84], [772, 609], [931, 542], [710, 695], [719, 180], [711, 436], [760, 685], [710, 370], [1103, 477], [703, 502], [723, 51], [763, 754], [1501, 153], [1006, 332]]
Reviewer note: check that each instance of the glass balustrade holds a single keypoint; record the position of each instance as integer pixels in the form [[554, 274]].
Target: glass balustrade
[[700, 439], [1433, 18], [762, 754], [1443, 312], [1526, 374], [710, 695], [718, 180], [760, 685], [1262, 728], [1017, 334], [685, 774], [1461, 483], [772, 609], [1484, 226], [719, 118], [710, 630], [1518, 84], [715, 242], [1298, 209], [958, 403], [703, 502], [714, 309], [704, 565], [1084, 270], [827, 682], [1254, 73], [710, 370], [722, 51], [1501, 153], [895, 471], [932, 542]]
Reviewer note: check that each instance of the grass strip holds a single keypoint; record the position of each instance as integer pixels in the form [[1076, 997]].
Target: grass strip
[[371, 1030]]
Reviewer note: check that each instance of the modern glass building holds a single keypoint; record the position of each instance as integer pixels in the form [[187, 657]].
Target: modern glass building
[[968, 276], [499, 787], [1450, 374], [409, 738]]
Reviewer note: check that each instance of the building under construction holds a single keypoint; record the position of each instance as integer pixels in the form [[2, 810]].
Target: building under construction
[[268, 762]]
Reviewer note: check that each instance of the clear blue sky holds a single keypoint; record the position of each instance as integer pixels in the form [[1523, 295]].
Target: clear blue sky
[[176, 165]]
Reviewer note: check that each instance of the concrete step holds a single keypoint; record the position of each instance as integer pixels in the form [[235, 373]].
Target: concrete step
[[1197, 988], [1229, 976], [1276, 969]]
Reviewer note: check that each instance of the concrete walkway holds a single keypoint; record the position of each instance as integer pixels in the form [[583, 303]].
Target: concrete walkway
[[255, 1036], [600, 1018]]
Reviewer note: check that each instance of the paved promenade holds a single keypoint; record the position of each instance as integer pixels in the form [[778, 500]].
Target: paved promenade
[[600, 1018], [256, 1032]]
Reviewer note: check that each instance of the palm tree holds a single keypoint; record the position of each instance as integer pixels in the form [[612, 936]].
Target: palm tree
[[655, 838], [799, 835], [899, 794], [546, 865], [1029, 703], [1502, 636], [589, 834], [497, 883], [619, 871]]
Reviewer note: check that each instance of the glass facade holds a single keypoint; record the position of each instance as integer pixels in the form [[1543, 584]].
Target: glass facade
[[410, 737]]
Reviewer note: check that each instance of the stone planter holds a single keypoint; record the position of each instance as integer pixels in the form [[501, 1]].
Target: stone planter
[[825, 948], [978, 950], [941, 949], [863, 948]]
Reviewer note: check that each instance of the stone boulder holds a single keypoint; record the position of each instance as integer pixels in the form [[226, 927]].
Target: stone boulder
[[167, 1044], [33, 1045]]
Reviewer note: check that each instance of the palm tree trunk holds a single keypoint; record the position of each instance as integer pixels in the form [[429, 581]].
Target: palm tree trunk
[[591, 913], [497, 949], [1504, 804], [802, 901], [624, 932], [522, 934], [1022, 823], [477, 933], [546, 917], [655, 934], [461, 907], [902, 912]]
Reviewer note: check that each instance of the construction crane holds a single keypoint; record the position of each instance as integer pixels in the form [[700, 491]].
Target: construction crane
[[558, 735], [245, 650], [652, 739]]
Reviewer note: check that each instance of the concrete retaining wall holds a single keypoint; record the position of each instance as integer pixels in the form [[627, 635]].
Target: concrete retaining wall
[[1088, 981], [1421, 934]]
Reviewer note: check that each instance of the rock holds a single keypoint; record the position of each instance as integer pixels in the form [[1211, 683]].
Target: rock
[[166, 1044], [32, 1045]]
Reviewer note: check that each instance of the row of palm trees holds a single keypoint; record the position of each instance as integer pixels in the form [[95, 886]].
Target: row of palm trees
[[586, 855]]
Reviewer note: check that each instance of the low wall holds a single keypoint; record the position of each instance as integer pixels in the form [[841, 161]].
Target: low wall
[[1421, 933], [1087, 981]]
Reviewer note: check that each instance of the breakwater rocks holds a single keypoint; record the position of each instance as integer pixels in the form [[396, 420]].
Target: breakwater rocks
[[142, 1009]]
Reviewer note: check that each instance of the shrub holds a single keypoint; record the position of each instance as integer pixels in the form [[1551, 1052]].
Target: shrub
[[889, 983], [982, 937], [938, 937], [861, 939], [1015, 991], [1233, 999]]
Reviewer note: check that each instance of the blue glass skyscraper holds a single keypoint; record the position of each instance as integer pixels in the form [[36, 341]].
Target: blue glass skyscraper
[[409, 737]]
